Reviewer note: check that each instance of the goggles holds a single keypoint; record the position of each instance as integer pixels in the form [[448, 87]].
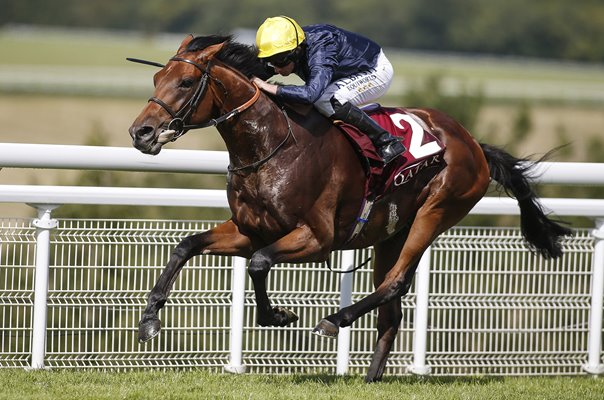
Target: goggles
[[281, 60]]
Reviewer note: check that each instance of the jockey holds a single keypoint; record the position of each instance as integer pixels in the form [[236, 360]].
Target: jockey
[[341, 70]]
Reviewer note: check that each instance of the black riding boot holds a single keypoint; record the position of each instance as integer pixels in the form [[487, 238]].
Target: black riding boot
[[387, 146]]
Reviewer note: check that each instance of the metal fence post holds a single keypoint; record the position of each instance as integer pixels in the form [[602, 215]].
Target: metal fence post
[[345, 301], [44, 223], [235, 364], [594, 365], [420, 328]]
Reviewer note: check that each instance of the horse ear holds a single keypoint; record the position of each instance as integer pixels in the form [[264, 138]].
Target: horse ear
[[210, 51], [185, 43]]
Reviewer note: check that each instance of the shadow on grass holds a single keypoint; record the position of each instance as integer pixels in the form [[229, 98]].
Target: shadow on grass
[[331, 380]]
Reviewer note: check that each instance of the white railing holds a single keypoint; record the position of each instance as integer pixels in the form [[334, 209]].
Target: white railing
[[18, 155], [46, 198]]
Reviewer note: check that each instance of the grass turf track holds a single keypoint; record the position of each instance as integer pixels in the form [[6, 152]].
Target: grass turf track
[[198, 384]]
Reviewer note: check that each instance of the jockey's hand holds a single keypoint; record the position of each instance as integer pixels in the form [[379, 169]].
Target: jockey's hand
[[265, 86]]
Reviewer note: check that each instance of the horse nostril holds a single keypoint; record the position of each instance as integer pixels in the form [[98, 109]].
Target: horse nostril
[[143, 131]]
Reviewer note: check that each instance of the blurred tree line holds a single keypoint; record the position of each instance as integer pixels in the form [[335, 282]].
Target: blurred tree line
[[557, 29]]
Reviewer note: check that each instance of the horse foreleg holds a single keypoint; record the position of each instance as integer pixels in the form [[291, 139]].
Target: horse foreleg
[[224, 239], [298, 246]]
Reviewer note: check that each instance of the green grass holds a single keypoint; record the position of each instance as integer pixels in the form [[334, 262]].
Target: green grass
[[19, 384]]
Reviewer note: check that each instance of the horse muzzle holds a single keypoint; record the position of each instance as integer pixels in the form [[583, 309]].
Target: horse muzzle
[[146, 139]]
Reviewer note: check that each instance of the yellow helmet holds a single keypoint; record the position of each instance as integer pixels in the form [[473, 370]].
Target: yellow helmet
[[277, 35]]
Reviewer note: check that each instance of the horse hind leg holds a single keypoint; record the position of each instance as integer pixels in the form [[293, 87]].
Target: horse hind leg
[[224, 239], [435, 216], [389, 319], [390, 314]]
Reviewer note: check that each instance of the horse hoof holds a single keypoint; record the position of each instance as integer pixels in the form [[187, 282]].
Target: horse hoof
[[148, 329], [289, 316], [326, 329]]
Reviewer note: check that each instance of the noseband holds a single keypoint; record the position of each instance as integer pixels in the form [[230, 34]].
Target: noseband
[[180, 119]]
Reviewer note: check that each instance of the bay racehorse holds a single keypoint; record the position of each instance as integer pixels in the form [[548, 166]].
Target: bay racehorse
[[295, 185]]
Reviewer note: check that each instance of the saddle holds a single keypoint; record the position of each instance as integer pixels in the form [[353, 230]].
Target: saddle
[[424, 150]]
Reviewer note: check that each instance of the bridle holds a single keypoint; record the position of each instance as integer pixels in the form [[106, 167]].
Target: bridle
[[180, 119]]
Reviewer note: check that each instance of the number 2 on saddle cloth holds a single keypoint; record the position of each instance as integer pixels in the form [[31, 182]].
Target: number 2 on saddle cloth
[[424, 150]]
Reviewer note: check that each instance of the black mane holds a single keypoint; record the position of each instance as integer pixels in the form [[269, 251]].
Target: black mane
[[238, 55]]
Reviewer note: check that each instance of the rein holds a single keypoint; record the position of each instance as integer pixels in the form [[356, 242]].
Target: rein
[[350, 270], [258, 163]]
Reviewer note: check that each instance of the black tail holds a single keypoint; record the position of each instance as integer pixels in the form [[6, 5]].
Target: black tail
[[512, 174]]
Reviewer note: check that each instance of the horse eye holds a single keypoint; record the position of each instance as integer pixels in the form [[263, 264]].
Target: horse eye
[[186, 83]]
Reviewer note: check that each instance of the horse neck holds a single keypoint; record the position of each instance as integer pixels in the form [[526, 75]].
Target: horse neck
[[257, 130]]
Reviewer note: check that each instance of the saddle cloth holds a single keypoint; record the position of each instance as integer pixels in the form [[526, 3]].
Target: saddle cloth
[[423, 149]]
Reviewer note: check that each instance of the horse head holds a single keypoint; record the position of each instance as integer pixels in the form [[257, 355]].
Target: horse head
[[189, 94]]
